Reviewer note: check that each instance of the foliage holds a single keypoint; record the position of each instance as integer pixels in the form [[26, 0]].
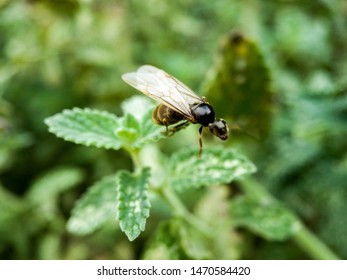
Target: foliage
[[95, 207], [239, 75], [275, 70], [130, 191], [260, 218]]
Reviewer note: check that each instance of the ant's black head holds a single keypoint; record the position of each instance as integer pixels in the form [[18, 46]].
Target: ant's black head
[[219, 128]]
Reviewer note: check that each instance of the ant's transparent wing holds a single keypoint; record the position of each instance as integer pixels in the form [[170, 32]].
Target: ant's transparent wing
[[164, 88], [190, 96]]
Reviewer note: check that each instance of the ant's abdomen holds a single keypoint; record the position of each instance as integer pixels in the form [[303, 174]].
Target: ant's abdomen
[[164, 115]]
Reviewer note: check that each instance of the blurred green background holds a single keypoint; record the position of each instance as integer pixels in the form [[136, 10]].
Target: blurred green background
[[71, 53]]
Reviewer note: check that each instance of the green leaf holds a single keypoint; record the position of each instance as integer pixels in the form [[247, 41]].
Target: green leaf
[[137, 127], [87, 127], [10, 143], [138, 106], [96, 206], [133, 203], [50, 247], [239, 85], [129, 130], [226, 242], [103, 130], [165, 243], [52, 183], [217, 166], [270, 220], [175, 239], [11, 207], [194, 243], [150, 132]]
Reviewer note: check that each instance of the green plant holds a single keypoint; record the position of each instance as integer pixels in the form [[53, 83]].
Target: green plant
[[127, 194], [74, 55], [165, 184]]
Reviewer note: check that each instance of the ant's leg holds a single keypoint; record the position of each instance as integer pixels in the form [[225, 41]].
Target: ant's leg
[[180, 126], [200, 141], [167, 131], [177, 127]]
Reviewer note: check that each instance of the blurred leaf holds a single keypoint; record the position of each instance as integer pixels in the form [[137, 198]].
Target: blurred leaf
[[87, 127], [175, 239], [217, 166], [133, 203], [272, 221], [320, 118], [194, 243], [96, 206], [62, 7], [324, 183], [313, 126], [50, 248], [166, 243], [239, 85], [10, 207], [97, 55], [292, 153], [321, 83], [54, 182], [213, 208], [16, 224], [9, 144], [302, 36]]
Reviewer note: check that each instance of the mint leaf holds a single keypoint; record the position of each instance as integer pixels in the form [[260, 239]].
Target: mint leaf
[[165, 243], [149, 132], [138, 106], [272, 221], [96, 206], [104, 130], [129, 130], [217, 166], [133, 202], [194, 243], [52, 183], [87, 127], [137, 127], [213, 208], [11, 208], [136, 133], [241, 79]]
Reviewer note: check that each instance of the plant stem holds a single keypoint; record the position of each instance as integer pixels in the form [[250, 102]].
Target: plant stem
[[312, 245], [303, 237], [134, 154], [182, 212]]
